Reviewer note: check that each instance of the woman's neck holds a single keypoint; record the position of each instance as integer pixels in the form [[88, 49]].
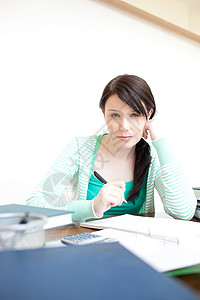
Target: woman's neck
[[116, 150]]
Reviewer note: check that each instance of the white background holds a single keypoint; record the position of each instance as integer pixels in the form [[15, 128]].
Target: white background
[[56, 56]]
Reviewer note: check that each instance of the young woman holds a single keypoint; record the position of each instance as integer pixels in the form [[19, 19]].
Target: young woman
[[131, 166]]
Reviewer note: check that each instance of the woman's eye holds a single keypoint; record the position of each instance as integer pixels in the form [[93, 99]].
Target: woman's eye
[[115, 115], [134, 115]]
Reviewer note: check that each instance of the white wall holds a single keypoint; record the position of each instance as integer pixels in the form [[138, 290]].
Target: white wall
[[175, 12], [56, 57]]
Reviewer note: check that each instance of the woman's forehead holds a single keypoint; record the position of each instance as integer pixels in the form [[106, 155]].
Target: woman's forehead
[[115, 103]]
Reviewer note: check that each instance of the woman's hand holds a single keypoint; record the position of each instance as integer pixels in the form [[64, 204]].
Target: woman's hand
[[111, 194], [154, 128]]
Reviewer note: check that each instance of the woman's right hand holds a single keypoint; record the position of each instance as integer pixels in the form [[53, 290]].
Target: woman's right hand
[[111, 194]]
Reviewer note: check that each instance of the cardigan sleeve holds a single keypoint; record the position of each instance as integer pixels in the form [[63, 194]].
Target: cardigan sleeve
[[176, 195], [59, 188], [83, 210], [56, 189]]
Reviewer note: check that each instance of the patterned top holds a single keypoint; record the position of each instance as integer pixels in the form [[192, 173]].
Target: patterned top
[[65, 185]]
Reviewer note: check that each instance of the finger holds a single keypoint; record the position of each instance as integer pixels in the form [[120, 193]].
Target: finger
[[145, 134], [117, 197], [120, 190], [110, 188], [120, 184], [117, 192], [112, 201]]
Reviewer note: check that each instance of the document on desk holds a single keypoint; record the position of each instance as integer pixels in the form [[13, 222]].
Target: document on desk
[[161, 256], [170, 231]]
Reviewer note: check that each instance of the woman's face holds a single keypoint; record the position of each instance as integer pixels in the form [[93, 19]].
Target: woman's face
[[125, 126]]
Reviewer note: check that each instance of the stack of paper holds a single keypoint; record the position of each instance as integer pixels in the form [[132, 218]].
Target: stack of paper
[[162, 257], [165, 244], [166, 230]]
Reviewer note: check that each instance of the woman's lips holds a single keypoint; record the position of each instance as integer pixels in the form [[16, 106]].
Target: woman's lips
[[124, 138]]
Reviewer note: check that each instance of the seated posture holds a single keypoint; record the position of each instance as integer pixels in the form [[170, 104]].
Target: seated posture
[[131, 166]]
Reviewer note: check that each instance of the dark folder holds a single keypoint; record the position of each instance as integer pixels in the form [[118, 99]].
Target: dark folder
[[98, 271]]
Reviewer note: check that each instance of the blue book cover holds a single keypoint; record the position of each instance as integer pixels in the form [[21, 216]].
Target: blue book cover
[[92, 272], [55, 217]]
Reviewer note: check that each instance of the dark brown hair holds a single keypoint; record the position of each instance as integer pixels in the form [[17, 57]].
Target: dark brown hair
[[135, 92]]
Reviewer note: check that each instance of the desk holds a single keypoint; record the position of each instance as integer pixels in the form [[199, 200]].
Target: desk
[[191, 280]]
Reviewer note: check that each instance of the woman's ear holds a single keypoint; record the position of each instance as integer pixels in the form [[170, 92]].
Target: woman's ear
[[150, 113], [103, 112]]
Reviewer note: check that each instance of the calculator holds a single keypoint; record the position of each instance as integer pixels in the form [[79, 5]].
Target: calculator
[[82, 239]]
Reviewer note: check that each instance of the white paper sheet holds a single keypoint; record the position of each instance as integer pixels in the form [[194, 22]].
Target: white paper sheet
[[161, 256], [169, 230]]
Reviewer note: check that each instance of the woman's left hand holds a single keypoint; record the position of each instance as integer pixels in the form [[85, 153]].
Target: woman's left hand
[[154, 128]]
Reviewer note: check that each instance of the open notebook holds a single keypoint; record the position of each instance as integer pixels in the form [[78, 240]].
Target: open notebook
[[168, 230]]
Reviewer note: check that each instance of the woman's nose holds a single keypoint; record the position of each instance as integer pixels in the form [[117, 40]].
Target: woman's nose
[[124, 124]]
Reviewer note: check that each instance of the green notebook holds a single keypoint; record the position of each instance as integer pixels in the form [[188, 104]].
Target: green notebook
[[184, 271]]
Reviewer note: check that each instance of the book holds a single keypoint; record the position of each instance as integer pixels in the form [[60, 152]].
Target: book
[[197, 192], [185, 271], [167, 230], [55, 217], [198, 203], [97, 271], [197, 213], [197, 195]]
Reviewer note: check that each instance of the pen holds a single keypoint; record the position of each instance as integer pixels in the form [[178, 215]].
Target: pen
[[98, 176]]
